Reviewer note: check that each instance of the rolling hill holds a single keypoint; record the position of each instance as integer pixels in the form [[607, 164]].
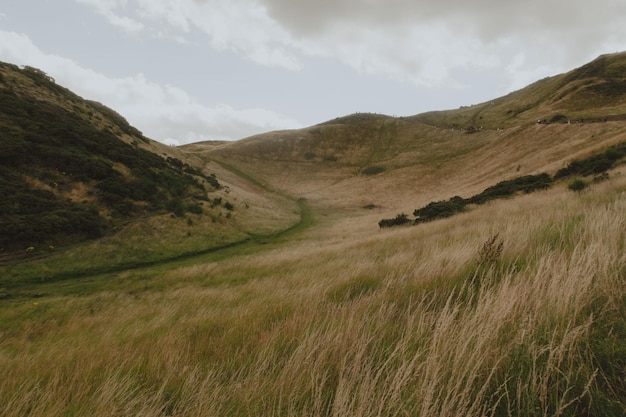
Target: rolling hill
[[397, 164], [74, 171]]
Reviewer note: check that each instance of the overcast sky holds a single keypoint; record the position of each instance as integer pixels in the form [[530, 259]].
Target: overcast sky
[[190, 70]]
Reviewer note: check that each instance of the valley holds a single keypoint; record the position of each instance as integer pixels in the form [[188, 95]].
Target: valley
[[292, 301]]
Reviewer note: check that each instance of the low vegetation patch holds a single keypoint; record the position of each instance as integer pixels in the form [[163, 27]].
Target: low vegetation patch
[[399, 220], [578, 184], [596, 165], [373, 170], [446, 208]]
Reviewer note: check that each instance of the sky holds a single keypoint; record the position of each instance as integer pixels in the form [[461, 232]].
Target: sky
[[184, 71]]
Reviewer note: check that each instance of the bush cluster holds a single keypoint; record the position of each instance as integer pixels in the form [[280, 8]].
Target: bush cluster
[[595, 164], [399, 220], [525, 184], [31, 216], [446, 208], [439, 209], [41, 140]]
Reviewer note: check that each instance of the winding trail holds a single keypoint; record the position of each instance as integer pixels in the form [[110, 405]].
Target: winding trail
[[252, 243]]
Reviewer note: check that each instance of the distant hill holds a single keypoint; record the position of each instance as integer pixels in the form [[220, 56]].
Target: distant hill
[[393, 164], [593, 92], [73, 169]]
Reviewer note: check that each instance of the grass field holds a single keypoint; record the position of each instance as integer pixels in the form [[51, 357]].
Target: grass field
[[292, 302], [431, 320]]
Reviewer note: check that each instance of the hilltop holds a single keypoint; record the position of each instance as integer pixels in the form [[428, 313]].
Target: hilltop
[[591, 93]]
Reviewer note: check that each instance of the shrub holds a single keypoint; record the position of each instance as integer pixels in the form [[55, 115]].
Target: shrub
[[439, 209], [373, 170], [578, 185], [595, 164], [195, 208], [176, 206], [399, 220], [526, 184]]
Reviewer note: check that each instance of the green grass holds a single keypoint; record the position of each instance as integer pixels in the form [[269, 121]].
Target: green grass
[[66, 275]]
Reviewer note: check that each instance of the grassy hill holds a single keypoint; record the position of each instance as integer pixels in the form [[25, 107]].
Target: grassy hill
[[67, 173], [512, 307], [78, 182], [398, 164]]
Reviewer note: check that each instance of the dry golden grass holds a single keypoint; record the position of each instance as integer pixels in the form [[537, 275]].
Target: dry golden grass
[[423, 163], [402, 322], [345, 319]]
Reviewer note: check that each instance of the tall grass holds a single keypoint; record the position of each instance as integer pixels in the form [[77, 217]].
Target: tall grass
[[406, 322]]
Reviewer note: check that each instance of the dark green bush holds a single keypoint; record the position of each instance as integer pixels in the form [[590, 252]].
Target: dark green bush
[[578, 184], [195, 208], [439, 209], [595, 164], [176, 206], [526, 184], [399, 220], [45, 142], [373, 170]]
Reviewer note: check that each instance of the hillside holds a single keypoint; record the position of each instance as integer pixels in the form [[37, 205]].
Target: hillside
[[396, 164], [298, 304], [73, 171], [591, 93]]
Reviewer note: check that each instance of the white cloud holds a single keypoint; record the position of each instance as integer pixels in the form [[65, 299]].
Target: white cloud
[[424, 42], [107, 9], [242, 26], [421, 42], [160, 111]]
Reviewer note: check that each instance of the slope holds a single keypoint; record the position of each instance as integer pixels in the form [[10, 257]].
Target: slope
[[391, 164], [81, 188]]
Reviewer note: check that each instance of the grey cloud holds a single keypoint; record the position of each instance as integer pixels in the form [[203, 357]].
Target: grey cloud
[[489, 17], [422, 41], [416, 41]]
